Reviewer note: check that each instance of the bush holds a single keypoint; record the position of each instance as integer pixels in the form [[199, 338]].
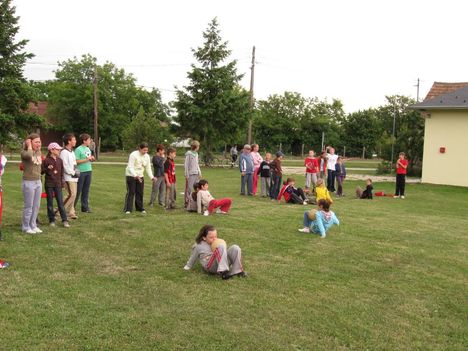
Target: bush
[[384, 167]]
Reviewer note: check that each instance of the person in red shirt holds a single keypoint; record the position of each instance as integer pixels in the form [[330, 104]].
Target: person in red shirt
[[292, 194], [401, 166], [312, 167]]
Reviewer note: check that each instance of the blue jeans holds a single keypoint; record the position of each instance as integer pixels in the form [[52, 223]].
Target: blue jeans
[[307, 221], [247, 179], [50, 203], [84, 183], [275, 186]]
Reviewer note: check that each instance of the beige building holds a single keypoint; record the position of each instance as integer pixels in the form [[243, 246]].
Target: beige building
[[445, 158]]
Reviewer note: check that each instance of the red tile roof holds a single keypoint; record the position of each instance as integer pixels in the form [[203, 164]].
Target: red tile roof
[[40, 108], [439, 88]]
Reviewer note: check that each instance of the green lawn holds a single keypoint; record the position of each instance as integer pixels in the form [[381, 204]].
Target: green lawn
[[393, 276]]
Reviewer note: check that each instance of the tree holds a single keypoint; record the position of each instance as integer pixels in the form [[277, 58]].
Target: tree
[[14, 90], [361, 129], [145, 127], [119, 99], [212, 107]]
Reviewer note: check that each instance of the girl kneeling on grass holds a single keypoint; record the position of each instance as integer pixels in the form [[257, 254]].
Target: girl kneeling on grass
[[291, 194], [213, 255], [206, 201], [319, 221]]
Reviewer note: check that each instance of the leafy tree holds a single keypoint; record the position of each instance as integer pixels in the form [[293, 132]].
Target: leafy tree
[[119, 99], [361, 129], [145, 127], [14, 90], [212, 107], [292, 120]]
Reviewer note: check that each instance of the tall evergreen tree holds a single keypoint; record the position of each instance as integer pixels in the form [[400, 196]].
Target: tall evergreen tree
[[212, 107], [14, 90]]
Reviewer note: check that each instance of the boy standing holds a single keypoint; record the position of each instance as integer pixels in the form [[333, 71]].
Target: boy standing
[[401, 166], [192, 170], [170, 177], [276, 175], [70, 175], [84, 159], [264, 171], [246, 167], [160, 184], [312, 168], [340, 170]]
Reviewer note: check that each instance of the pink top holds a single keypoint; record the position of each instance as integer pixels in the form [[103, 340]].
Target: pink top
[[257, 159]]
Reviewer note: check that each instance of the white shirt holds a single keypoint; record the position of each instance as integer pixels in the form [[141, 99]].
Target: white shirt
[[331, 161], [3, 161], [137, 163], [69, 165]]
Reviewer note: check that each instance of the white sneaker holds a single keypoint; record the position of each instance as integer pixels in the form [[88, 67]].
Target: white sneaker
[[37, 230], [127, 212], [30, 231], [52, 224], [206, 213], [402, 197], [66, 224], [305, 202], [395, 196], [143, 212], [304, 230], [323, 236]]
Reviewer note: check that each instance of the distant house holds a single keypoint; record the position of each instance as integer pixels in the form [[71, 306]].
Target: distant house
[[445, 110], [47, 136]]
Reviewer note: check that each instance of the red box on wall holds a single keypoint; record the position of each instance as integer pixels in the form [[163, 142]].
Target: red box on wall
[[442, 149]]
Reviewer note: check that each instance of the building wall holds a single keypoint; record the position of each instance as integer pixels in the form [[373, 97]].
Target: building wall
[[447, 129]]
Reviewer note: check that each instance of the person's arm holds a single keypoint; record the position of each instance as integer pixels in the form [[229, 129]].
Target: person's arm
[[193, 258], [335, 219], [186, 166], [199, 202], [242, 164]]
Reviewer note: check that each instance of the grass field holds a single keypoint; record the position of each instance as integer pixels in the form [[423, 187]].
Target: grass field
[[392, 276]]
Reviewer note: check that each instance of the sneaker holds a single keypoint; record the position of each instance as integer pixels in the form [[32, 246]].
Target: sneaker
[[52, 224], [305, 202], [30, 231], [304, 230], [206, 213], [127, 212], [66, 224], [37, 230], [402, 197], [323, 236], [143, 212], [395, 196]]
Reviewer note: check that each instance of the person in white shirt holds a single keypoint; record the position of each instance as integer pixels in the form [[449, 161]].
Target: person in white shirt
[[138, 162], [331, 166], [70, 174]]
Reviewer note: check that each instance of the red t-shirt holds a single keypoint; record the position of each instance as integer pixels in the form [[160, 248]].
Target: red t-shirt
[[169, 169], [399, 169], [311, 165]]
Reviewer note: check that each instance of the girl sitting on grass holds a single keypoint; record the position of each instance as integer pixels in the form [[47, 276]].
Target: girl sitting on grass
[[206, 201], [319, 221], [291, 194], [322, 192], [212, 254]]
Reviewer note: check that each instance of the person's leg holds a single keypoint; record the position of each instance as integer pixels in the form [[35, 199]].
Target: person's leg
[[306, 221], [161, 184], [85, 192], [36, 203], [173, 196], [139, 191], [218, 261], [243, 182], [28, 193], [359, 192], [308, 179], [301, 194], [79, 188], [402, 184], [255, 181], [262, 186], [50, 204], [295, 199], [339, 181], [131, 188], [234, 255], [69, 202], [212, 206], [329, 172], [249, 183], [333, 176], [397, 185], [59, 199], [267, 186], [154, 191], [225, 204]]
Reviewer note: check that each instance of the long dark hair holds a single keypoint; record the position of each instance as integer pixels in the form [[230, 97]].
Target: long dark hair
[[325, 204], [204, 232]]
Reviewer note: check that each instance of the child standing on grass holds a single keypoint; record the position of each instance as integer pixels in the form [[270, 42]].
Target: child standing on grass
[[257, 160], [159, 185], [216, 259], [401, 166], [340, 170], [322, 192], [312, 168], [206, 201], [170, 177], [276, 175], [291, 194], [52, 167], [366, 194], [319, 221], [264, 171]]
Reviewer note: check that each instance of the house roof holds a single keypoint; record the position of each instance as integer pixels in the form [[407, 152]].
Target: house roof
[[452, 96], [39, 108]]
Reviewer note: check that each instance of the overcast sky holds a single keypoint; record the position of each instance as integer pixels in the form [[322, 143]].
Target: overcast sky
[[356, 51]]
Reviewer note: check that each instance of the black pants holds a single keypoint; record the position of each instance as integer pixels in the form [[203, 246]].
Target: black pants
[[134, 191], [297, 196], [400, 184], [50, 203], [331, 180], [275, 186]]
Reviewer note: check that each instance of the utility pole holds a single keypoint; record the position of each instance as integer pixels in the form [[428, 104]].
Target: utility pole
[[252, 69], [95, 114], [417, 91], [393, 140]]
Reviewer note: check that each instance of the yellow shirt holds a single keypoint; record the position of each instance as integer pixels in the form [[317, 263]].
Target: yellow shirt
[[323, 193]]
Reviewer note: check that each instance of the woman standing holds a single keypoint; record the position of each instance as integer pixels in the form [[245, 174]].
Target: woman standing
[[32, 187], [257, 160]]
